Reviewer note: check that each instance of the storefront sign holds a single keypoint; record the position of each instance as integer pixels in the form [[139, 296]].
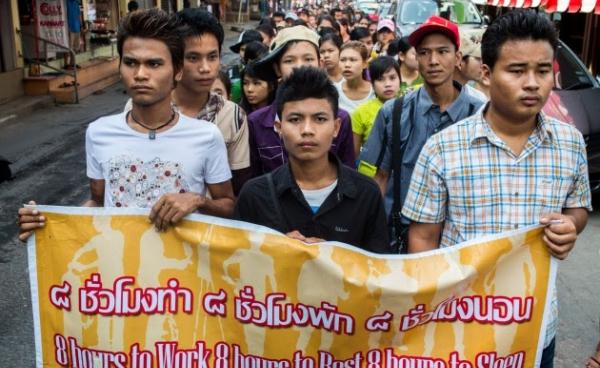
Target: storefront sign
[[52, 24]]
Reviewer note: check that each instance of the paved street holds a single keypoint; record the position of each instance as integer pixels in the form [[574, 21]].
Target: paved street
[[50, 165]]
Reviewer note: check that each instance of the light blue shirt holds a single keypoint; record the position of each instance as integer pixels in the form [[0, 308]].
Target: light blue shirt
[[420, 120]]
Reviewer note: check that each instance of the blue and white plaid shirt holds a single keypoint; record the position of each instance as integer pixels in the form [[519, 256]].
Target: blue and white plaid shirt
[[469, 179]]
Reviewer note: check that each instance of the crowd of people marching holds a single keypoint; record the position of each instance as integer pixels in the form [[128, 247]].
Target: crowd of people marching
[[331, 128]]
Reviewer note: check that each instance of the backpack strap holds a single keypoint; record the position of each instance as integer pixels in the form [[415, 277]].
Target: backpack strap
[[397, 152]]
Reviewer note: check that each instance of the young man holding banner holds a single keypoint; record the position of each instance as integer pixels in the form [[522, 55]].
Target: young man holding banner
[[152, 156], [509, 165]]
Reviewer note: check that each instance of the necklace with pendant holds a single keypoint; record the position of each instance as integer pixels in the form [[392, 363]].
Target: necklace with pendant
[[152, 131]]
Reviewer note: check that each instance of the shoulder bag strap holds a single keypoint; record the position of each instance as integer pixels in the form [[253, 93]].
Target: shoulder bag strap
[[397, 152], [276, 204]]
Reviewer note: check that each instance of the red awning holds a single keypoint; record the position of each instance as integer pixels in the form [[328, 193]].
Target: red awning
[[551, 6]]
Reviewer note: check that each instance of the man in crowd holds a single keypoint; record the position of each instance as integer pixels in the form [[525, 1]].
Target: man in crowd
[[203, 37], [509, 165], [440, 103], [279, 19], [292, 47], [314, 197], [152, 156], [469, 69], [337, 14]]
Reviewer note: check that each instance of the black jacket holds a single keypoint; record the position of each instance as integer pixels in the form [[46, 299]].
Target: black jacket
[[353, 213]]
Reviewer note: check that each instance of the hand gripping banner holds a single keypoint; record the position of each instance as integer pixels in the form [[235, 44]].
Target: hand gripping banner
[[110, 291]]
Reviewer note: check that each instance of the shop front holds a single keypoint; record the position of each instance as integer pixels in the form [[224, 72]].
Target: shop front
[[60, 47], [11, 65]]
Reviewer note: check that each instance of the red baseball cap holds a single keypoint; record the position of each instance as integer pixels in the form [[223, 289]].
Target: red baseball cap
[[435, 24]]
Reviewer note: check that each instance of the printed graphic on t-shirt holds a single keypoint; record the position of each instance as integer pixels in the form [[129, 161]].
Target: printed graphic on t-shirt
[[135, 183]]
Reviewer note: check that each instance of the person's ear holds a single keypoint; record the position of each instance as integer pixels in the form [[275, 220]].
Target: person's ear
[[277, 126], [177, 77], [337, 125], [458, 58], [486, 74], [401, 57]]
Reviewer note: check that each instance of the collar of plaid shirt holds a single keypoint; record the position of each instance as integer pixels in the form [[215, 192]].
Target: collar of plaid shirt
[[483, 130]]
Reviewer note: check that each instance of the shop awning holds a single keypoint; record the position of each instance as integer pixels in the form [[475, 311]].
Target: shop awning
[[551, 6]]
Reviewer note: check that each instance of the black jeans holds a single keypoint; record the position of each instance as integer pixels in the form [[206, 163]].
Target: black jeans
[[548, 355]]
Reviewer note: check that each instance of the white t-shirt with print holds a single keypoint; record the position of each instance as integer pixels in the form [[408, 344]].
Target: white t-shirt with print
[[138, 170]]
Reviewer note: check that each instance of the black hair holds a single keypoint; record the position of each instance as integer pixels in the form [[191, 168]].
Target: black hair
[[278, 14], [523, 24], [398, 45], [224, 78], [323, 31], [358, 33], [153, 24], [267, 29], [304, 83], [132, 6], [329, 18], [381, 65], [299, 22], [333, 37], [255, 50], [266, 21], [251, 71], [199, 22], [335, 10], [349, 13]]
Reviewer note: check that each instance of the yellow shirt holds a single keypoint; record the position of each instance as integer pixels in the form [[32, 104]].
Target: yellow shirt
[[364, 117]]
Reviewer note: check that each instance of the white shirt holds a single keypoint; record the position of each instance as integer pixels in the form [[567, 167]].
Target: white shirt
[[316, 197], [138, 171], [348, 104]]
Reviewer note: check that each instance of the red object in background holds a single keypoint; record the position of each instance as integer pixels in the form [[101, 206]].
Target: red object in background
[[551, 6], [555, 108], [574, 6]]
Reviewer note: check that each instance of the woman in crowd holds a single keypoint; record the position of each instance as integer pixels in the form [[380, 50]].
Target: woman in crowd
[[410, 79], [362, 34], [363, 22], [355, 89], [326, 21], [329, 48], [257, 92], [385, 78], [344, 29]]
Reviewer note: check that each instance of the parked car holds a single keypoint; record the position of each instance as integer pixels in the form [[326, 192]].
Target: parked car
[[369, 7], [409, 14], [385, 10], [575, 99]]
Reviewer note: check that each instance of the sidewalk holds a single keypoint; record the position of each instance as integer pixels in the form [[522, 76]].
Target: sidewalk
[[13, 111]]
